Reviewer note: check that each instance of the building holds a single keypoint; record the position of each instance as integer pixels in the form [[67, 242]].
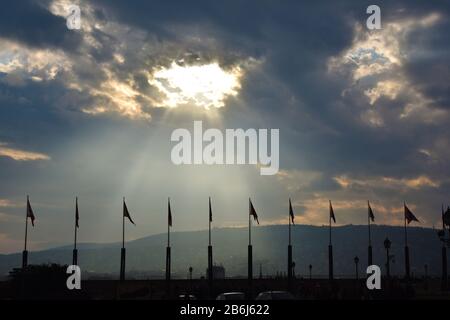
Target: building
[[218, 272]]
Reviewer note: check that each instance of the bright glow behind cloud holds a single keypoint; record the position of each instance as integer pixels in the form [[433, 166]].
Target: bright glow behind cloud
[[204, 86]]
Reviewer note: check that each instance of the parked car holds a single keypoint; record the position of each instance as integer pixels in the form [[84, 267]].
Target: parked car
[[275, 295], [231, 296]]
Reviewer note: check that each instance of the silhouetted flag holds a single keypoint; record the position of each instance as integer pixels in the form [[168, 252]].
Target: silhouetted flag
[[371, 215], [332, 213], [446, 217], [30, 213], [253, 211], [169, 215], [210, 210], [291, 212], [409, 216], [77, 215], [126, 213]]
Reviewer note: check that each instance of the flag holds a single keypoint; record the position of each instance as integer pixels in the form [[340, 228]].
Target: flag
[[371, 215], [126, 213], [291, 212], [77, 215], [253, 211], [446, 217], [170, 215], [30, 213], [332, 213], [409, 216], [210, 210]]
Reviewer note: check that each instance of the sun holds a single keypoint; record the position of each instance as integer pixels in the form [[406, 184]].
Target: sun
[[206, 86]]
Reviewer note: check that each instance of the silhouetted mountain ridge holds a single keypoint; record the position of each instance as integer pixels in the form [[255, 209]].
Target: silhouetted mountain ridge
[[146, 256]]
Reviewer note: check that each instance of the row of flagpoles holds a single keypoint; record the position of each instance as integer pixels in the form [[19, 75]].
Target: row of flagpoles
[[408, 218]]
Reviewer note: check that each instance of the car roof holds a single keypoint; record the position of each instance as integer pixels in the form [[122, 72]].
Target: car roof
[[230, 293]]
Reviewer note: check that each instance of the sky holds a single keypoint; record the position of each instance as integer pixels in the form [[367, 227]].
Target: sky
[[362, 114]]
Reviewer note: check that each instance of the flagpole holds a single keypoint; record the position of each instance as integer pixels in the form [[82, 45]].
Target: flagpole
[[289, 218], [407, 268], [406, 231], [168, 229], [250, 253], [25, 252], [289, 250], [75, 238], [209, 222], [26, 225], [210, 253], [368, 220], [168, 254], [249, 224], [122, 252], [75, 251], [123, 227], [330, 252], [369, 249], [330, 228], [444, 256]]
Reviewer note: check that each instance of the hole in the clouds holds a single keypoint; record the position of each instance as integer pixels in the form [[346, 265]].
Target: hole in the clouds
[[206, 86], [367, 56]]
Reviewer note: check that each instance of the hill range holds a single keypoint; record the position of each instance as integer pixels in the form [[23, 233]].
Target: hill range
[[146, 256]]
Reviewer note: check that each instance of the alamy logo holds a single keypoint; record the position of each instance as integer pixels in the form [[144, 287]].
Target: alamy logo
[[374, 278], [217, 151], [73, 19], [74, 280], [374, 20]]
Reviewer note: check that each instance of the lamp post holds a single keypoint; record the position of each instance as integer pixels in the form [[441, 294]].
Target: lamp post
[[310, 271], [442, 234], [190, 279], [356, 260], [293, 269], [387, 246]]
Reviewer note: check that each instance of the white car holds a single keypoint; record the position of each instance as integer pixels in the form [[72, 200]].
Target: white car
[[275, 295], [231, 296]]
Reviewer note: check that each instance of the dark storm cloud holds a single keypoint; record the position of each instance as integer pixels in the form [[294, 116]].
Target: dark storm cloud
[[28, 21], [296, 39], [429, 66]]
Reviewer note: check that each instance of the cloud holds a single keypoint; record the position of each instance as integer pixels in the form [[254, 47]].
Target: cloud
[[117, 69], [7, 203], [298, 180], [21, 155], [362, 114], [30, 22], [388, 182], [377, 63]]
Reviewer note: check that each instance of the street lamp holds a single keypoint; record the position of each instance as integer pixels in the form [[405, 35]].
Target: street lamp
[[445, 243], [310, 271], [387, 246], [356, 259], [190, 278]]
